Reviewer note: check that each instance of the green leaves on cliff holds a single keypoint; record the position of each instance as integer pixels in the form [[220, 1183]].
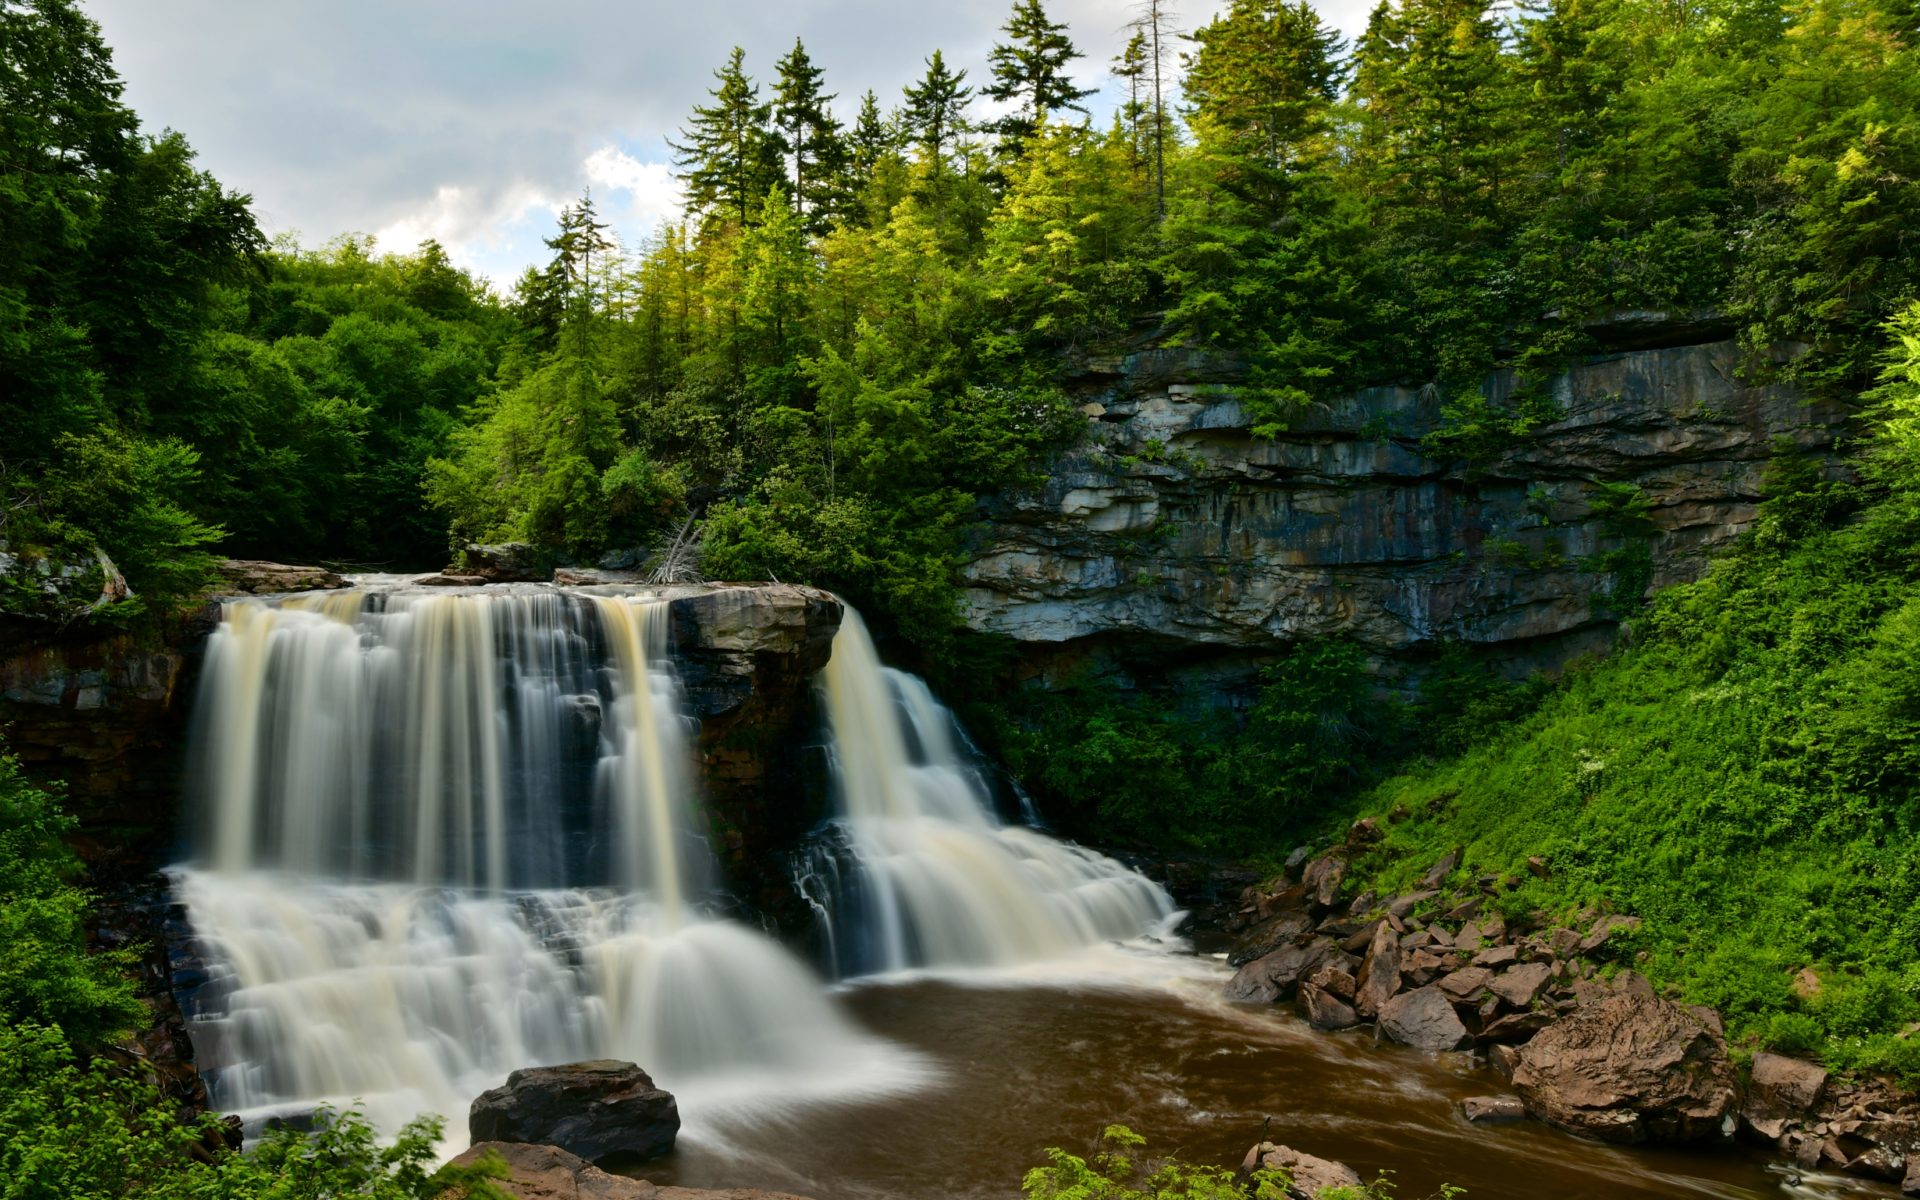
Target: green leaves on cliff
[[1745, 777]]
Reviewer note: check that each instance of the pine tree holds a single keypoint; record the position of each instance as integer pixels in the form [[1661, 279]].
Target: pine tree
[[807, 137], [1154, 26], [1131, 67], [725, 155], [1030, 69], [1262, 81], [936, 111]]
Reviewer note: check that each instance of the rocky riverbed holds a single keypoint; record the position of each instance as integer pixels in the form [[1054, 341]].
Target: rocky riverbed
[[1585, 1041]]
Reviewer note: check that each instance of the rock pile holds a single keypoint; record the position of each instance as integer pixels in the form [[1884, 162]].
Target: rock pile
[[1591, 1051]]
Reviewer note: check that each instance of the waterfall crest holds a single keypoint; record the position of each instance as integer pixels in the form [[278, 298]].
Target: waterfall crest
[[919, 870], [446, 835]]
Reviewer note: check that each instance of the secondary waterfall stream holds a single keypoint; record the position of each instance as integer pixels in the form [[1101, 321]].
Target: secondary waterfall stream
[[446, 834], [918, 870]]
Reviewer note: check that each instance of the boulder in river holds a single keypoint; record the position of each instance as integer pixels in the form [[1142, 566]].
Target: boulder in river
[[1629, 1069], [1310, 1176], [1274, 977], [1424, 1019], [1486, 1110], [601, 1110], [550, 1173]]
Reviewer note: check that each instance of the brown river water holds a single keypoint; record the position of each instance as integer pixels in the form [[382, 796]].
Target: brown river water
[[1018, 1066]]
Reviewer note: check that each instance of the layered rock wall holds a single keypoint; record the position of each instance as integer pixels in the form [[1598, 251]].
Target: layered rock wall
[[1175, 533]]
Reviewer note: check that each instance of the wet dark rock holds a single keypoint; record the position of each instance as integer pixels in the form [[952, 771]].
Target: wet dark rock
[[1629, 1069], [1264, 937], [538, 1172], [1493, 1109], [1424, 1019], [1324, 1010], [1274, 977], [601, 1110], [1310, 1175]]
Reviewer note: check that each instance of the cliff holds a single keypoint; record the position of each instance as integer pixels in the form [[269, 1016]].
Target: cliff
[[1175, 535]]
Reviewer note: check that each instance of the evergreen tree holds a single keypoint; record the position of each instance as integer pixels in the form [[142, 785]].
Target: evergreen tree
[[936, 111], [1131, 68], [1262, 80], [1029, 69], [725, 155], [808, 138]]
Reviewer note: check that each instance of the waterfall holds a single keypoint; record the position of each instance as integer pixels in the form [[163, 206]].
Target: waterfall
[[918, 870], [444, 835]]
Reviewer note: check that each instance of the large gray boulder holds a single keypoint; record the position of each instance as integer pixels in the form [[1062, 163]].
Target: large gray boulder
[[1630, 1068], [601, 1110]]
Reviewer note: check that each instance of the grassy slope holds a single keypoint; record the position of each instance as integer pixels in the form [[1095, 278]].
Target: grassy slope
[[1744, 778]]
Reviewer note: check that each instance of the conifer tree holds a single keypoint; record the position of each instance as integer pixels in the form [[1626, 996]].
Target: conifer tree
[[807, 137], [725, 155], [1030, 70], [1130, 66], [936, 111], [1262, 80]]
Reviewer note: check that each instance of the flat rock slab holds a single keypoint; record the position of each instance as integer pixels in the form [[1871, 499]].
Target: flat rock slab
[[601, 1110], [550, 1173]]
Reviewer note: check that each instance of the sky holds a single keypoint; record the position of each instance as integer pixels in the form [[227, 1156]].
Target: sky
[[474, 121]]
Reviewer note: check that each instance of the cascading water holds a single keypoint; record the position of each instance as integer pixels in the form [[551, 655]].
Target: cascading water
[[447, 835], [918, 870]]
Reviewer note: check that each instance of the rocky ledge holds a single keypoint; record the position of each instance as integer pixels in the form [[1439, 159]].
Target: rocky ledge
[[1175, 533], [1585, 1041]]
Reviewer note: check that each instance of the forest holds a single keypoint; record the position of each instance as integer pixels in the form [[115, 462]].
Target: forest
[[859, 329]]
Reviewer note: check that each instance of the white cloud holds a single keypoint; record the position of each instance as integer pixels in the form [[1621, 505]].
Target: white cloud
[[475, 226], [652, 194]]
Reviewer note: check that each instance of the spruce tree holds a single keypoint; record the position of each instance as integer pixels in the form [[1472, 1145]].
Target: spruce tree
[[936, 111], [808, 139], [1131, 67], [726, 157], [1030, 69], [1262, 80]]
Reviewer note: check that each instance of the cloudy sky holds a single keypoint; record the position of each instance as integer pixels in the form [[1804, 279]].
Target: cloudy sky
[[472, 121]]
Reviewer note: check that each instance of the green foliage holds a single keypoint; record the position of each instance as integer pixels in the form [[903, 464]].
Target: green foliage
[[71, 1130], [1744, 777], [1133, 768], [1114, 1174], [46, 975]]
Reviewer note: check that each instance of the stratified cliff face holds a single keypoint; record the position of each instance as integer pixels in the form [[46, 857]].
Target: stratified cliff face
[[1176, 531]]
